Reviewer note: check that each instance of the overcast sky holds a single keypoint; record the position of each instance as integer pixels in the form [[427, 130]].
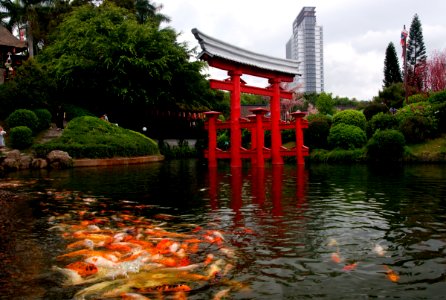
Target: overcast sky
[[356, 32]]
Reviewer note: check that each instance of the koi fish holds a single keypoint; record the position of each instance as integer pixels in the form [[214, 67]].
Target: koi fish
[[222, 294], [82, 268], [133, 296], [335, 257], [391, 274], [379, 250], [350, 267], [332, 243]]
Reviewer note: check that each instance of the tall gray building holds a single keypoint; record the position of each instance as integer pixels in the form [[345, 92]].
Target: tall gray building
[[306, 46]]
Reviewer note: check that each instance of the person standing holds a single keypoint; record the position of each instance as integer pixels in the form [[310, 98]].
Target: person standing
[[2, 139]]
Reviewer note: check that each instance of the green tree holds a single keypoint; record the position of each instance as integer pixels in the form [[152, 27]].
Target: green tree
[[325, 104], [393, 95], [132, 67], [416, 55], [392, 71]]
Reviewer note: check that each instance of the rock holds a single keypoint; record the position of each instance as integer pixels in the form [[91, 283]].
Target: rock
[[58, 159], [39, 163]]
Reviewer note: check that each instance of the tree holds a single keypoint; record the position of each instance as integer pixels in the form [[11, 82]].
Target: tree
[[102, 59], [325, 104], [393, 95], [416, 55], [392, 71], [436, 72]]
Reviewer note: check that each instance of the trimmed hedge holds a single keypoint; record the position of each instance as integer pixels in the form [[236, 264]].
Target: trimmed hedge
[[44, 118], [386, 145], [20, 137], [23, 117], [381, 121], [91, 137], [346, 136], [350, 117]]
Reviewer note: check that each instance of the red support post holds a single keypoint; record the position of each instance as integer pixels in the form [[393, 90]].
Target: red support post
[[212, 137], [276, 138], [253, 130], [260, 135], [298, 118], [236, 135]]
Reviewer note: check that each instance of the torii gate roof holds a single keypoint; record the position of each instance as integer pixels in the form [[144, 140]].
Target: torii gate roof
[[214, 48], [8, 40]]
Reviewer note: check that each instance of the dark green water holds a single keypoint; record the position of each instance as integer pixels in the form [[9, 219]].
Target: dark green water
[[285, 224]]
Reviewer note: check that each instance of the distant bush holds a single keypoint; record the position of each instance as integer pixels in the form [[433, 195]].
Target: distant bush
[[73, 111], [373, 109], [416, 129], [417, 98], [350, 117], [44, 118], [183, 150], [315, 136], [439, 112], [386, 145], [381, 121], [23, 117], [338, 156], [438, 97], [20, 137], [346, 136], [91, 137]]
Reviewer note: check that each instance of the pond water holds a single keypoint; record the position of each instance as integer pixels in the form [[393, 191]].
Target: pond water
[[317, 232]]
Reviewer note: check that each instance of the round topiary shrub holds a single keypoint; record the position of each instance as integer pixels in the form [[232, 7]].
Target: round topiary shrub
[[44, 117], [373, 109], [20, 137], [381, 121], [346, 136], [350, 117], [438, 97], [23, 117], [415, 129], [386, 145]]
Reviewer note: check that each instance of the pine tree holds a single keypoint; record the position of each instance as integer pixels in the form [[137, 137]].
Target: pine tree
[[416, 55], [392, 71]]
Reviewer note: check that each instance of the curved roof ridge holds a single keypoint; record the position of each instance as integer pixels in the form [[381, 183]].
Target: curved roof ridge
[[215, 47]]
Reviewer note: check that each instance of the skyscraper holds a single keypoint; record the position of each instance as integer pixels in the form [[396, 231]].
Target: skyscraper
[[306, 46]]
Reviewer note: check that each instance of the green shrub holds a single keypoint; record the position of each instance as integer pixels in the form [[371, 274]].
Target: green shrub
[[91, 137], [350, 117], [44, 118], [416, 129], [386, 145], [381, 121], [373, 109], [438, 97], [20, 137], [338, 156], [23, 117], [346, 136], [73, 111], [315, 136], [417, 98], [439, 111]]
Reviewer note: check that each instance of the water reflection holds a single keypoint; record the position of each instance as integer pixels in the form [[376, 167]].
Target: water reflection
[[332, 232]]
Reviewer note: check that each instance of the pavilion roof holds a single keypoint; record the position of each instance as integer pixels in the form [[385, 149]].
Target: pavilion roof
[[9, 40], [215, 48]]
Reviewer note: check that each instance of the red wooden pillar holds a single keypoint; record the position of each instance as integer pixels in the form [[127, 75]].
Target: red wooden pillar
[[276, 138], [236, 135], [253, 130], [298, 118], [212, 137], [260, 135]]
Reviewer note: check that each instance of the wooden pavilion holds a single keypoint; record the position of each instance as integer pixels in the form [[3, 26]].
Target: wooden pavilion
[[10, 47]]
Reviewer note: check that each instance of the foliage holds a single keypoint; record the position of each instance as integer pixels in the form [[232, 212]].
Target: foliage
[[73, 111], [338, 156], [438, 97], [417, 98], [44, 118], [223, 139], [346, 136], [325, 104], [91, 137], [416, 129], [183, 150], [392, 71], [374, 108], [23, 117], [393, 95], [350, 117], [439, 112], [386, 145], [381, 121], [136, 67], [20, 137], [416, 55], [436, 72], [316, 134]]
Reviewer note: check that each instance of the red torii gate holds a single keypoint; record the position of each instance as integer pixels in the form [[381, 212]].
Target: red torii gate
[[237, 62]]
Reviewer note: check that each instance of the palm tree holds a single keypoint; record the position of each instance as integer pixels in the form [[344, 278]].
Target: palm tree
[[20, 14], [146, 10]]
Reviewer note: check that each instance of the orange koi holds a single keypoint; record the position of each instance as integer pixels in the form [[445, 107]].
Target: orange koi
[[350, 267], [89, 253], [82, 268], [391, 274], [335, 257], [209, 259], [166, 288]]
